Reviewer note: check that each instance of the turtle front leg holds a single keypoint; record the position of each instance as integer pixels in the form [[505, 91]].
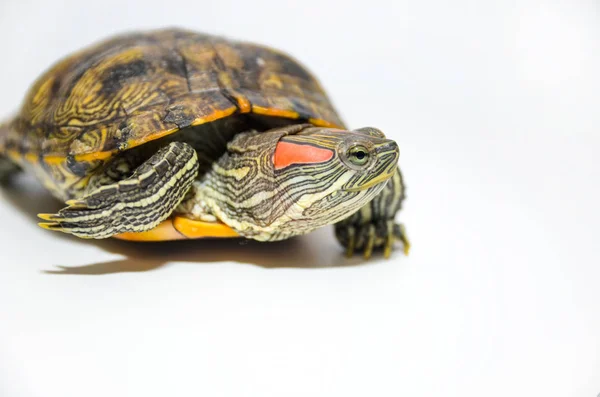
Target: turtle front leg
[[135, 204], [373, 226]]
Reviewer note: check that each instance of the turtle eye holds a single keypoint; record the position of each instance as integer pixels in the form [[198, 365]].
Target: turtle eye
[[358, 155]]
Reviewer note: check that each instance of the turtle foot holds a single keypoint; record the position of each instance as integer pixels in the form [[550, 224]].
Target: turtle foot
[[367, 237]]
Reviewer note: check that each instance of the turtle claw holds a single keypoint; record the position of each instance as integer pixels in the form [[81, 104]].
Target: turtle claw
[[50, 225], [351, 231], [57, 227], [372, 236], [389, 240], [79, 204], [400, 234], [63, 220], [66, 213], [46, 217]]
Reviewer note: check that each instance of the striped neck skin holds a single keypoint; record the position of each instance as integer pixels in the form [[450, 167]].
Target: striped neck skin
[[289, 181]]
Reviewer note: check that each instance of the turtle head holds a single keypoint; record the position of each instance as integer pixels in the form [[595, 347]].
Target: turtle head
[[291, 180]]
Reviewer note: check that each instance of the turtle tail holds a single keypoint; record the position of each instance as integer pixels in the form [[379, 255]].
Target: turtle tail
[[7, 166]]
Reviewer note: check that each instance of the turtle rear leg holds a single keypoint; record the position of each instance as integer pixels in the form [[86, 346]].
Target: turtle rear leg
[[135, 204], [7, 169], [373, 226]]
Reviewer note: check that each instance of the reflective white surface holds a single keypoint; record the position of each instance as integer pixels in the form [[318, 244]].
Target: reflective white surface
[[495, 109]]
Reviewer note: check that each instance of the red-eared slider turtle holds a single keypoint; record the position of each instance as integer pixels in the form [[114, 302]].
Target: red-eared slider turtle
[[173, 134]]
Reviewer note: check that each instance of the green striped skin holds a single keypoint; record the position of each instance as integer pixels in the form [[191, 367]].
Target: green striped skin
[[248, 193]]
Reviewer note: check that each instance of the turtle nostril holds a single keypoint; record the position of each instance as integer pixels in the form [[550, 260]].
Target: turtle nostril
[[388, 146]]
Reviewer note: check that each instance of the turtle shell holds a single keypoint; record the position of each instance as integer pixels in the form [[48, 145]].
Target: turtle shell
[[135, 88]]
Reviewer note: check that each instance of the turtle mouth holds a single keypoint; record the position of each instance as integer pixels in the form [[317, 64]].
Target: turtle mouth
[[375, 181]]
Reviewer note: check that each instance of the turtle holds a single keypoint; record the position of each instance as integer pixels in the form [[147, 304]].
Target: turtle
[[172, 134]]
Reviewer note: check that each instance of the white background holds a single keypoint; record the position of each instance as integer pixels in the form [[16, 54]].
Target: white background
[[495, 107]]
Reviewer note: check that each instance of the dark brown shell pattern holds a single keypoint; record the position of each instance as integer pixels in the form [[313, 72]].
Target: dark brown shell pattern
[[139, 87]]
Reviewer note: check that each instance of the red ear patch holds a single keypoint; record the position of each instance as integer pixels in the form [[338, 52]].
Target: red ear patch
[[287, 153]]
